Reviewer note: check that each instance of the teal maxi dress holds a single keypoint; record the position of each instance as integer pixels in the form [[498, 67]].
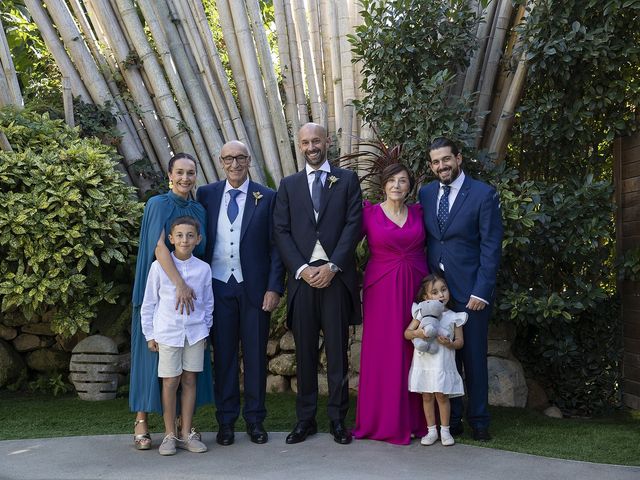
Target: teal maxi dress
[[145, 386]]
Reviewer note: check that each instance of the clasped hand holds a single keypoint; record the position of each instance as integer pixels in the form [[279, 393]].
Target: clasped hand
[[318, 277]]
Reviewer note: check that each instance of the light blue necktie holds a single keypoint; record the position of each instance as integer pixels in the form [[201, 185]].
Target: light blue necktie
[[443, 207], [232, 208]]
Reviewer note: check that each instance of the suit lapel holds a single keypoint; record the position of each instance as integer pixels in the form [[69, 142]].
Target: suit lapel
[[326, 193], [249, 207], [432, 205], [214, 211], [305, 194]]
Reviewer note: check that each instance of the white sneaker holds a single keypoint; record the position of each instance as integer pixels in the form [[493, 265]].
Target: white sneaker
[[446, 438], [192, 443], [168, 446], [430, 438]]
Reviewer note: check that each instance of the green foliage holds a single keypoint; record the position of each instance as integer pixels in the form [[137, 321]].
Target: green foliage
[[50, 383], [68, 223], [96, 121], [410, 52]]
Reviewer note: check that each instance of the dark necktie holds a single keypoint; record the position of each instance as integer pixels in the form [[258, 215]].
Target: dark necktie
[[232, 208], [316, 190], [443, 207]]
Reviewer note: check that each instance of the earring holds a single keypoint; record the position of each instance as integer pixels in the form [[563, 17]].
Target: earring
[[170, 184]]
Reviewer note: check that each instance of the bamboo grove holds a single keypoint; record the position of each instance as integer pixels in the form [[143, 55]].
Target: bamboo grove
[[157, 65]]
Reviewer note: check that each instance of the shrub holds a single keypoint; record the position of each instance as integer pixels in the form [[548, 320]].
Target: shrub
[[68, 224]]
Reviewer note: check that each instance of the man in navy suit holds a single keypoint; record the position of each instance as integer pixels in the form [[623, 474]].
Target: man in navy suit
[[248, 280], [464, 243], [317, 224]]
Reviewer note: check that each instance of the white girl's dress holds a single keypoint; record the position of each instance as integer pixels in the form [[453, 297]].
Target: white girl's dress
[[437, 372]]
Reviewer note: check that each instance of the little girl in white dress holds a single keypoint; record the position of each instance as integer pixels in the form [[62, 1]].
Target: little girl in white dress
[[435, 374]]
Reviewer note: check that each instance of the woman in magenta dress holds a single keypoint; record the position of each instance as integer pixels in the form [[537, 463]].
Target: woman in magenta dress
[[386, 410]]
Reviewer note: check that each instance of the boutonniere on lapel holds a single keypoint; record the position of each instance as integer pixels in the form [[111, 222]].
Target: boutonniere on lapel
[[332, 179], [257, 196]]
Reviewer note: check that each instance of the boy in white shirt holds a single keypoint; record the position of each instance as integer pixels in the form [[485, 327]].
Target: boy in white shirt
[[179, 338]]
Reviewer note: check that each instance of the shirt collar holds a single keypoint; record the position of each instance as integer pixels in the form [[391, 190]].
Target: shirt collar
[[325, 167], [244, 188], [180, 262], [457, 183]]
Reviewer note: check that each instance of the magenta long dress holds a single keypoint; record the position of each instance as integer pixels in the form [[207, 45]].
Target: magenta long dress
[[386, 410]]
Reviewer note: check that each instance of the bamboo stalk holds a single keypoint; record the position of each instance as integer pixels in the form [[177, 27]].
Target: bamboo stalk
[[346, 140], [296, 64], [348, 84], [5, 95], [493, 63], [336, 65], [256, 168], [95, 83], [312, 7], [325, 32], [256, 89], [67, 101], [471, 76], [284, 56], [302, 28], [119, 46], [206, 173], [11, 79], [271, 87], [4, 143], [54, 45], [500, 137], [244, 97]]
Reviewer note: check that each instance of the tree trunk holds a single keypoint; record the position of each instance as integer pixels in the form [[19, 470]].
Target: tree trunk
[[9, 72]]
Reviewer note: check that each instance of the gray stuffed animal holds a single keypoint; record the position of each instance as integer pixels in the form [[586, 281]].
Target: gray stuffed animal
[[429, 312]]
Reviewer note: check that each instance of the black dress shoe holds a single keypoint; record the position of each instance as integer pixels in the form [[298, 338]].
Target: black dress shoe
[[225, 435], [481, 434], [301, 431], [340, 434], [257, 433], [456, 429]]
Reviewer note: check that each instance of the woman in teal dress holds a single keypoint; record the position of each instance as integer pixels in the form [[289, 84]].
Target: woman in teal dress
[[159, 213]]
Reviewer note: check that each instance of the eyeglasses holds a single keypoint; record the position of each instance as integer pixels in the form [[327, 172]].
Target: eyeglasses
[[241, 159]]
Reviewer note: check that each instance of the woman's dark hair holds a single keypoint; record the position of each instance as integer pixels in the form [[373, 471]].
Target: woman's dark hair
[[178, 156], [442, 142], [394, 169], [426, 284], [186, 220]]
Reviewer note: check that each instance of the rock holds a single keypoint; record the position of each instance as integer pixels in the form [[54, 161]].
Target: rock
[[39, 329], [358, 333], [323, 385], [293, 381], [26, 342], [283, 364], [123, 363], [502, 331], [46, 360], [8, 333], [354, 357], [499, 348], [507, 385], [11, 364], [322, 360], [93, 368], [68, 343], [553, 412], [273, 346], [277, 384], [537, 397], [354, 381], [287, 343]]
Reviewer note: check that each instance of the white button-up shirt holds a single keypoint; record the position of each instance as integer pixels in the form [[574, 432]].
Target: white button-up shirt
[[160, 319]]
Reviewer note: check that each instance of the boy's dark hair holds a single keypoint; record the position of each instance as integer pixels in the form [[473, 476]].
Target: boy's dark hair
[[426, 284], [186, 220], [442, 142]]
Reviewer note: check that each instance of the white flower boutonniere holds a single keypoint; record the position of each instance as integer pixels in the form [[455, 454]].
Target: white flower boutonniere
[[257, 196], [332, 179]]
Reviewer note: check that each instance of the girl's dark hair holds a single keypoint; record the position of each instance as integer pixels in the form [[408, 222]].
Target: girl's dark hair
[[178, 156], [426, 284], [186, 220], [394, 169]]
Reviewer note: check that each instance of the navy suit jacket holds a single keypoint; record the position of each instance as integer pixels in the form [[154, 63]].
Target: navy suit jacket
[[262, 268], [339, 228], [470, 244]]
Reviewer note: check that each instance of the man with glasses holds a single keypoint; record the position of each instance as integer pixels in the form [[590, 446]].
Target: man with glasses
[[248, 279]]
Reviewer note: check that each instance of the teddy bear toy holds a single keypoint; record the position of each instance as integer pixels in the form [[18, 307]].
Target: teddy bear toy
[[429, 312]]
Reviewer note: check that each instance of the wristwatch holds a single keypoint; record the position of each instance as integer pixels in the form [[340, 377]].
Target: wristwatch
[[333, 267]]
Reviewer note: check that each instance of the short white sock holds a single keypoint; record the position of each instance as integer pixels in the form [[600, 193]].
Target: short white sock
[[432, 428], [444, 428]]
